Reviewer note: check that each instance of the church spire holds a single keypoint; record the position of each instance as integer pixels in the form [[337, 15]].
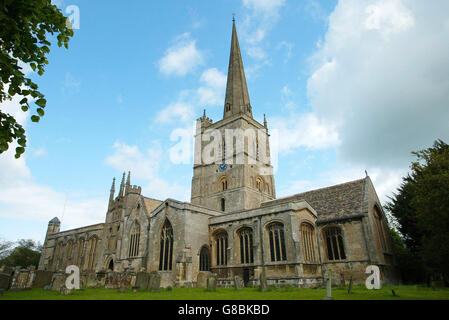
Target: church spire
[[122, 185], [237, 97]]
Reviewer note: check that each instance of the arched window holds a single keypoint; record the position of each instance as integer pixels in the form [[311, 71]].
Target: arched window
[[223, 204], [259, 184], [277, 242], [57, 255], [79, 254], [246, 245], [308, 242], [334, 244], [204, 259], [69, 250], [166, 252], [223, 184], [221, 245], [380, 228], [111, 265], [92, 252], [134, 241]]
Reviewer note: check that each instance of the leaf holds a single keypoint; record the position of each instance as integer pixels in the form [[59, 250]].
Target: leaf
[[41, 112], [24, 108], [41, 102], [35, 118]]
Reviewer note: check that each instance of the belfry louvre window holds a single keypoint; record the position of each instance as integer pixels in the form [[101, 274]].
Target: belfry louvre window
[[308, 242], [277, 242], [166, 253], [221, 244], [334, 243], [246, 245], [223, 184], [204, 259], [134, 241]]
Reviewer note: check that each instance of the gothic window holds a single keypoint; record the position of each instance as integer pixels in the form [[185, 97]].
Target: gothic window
[[246, 245], [223, 184], [134, 241], [308, 242], [111, 265], [69, 249], [80, 251], [259, 184], [204, 259], [166, 250], [92, 252], [380, 228], [223, 204], [277, 242], [334, 244], [221, 244]]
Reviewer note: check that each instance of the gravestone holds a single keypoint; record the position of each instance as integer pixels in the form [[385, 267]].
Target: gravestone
[[342, 280], [58, 281], [5, 280], [201, 279], [64, 291], [123, 289], [238, 283], [350, 285], [154, 283], [211, 284], [142, 279], [263, 281], [328, 277], [43, 278], [1, 292]]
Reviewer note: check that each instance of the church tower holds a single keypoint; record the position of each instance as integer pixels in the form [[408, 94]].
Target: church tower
[[232, 169]]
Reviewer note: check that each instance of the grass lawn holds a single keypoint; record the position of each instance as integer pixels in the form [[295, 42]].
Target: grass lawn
[[287, 293]]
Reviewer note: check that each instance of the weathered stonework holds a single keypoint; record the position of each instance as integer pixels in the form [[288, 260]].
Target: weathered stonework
[[233, 227]]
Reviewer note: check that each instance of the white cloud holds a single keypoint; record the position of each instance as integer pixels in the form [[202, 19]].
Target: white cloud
[[178, 111], [266, 7], [210, 93], [182, 58], [380, 77], [146, 166], [302, 130]]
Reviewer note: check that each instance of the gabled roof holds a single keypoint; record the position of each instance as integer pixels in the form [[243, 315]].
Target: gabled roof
[[55, 220], [339, 201]]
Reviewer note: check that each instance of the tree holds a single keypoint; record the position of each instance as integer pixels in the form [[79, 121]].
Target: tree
[[421, 209], [5, 248], [26, 253], [25, 29]]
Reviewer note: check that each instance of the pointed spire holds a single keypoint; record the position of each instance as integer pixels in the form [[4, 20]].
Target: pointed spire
[[122, 185], [265, 124], [128, 182], [204, 114], [111, 196], [237, 97]]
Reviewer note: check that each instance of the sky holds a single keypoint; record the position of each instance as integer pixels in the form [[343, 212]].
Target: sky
[[346, 86]]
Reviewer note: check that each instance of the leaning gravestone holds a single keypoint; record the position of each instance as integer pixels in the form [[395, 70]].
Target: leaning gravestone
[[154, 283], [64, 291], [238, 283], [263, 281], [58, 281], [211, 284]]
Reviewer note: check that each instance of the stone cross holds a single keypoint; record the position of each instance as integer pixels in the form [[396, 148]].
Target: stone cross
[[328, 277]]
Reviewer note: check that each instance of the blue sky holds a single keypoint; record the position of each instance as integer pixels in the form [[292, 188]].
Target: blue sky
[[347, 86]]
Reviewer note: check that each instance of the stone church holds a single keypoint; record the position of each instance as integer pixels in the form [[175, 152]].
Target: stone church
[[234, 224]]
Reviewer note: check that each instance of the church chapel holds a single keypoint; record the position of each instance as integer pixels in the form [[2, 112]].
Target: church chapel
[[234, 225]]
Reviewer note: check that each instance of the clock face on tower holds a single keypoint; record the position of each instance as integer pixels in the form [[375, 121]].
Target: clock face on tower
[[222, 167]]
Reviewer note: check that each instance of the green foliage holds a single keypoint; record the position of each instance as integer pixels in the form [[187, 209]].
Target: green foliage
[[26, 253], [5, 248], [25, 30], [421, 209]]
